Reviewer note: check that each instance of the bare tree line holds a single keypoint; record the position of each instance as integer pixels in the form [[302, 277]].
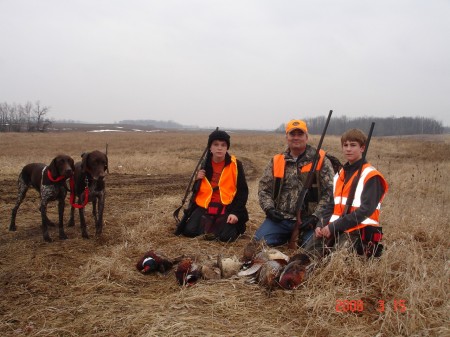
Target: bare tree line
[[23, 118], [31, 117], [387, 126]]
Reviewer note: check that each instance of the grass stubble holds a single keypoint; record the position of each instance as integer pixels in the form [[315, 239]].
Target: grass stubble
[[90, 287]]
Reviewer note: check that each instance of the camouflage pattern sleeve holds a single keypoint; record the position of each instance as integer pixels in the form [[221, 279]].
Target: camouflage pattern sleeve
[[326, 184], [265, 188]]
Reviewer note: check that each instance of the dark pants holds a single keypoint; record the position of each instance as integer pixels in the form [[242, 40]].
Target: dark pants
[[361, 241], [320, 247], [212, 226]]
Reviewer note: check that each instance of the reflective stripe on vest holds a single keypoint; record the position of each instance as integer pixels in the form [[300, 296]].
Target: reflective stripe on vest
[[227, 186], [279, 164], [341, 193]]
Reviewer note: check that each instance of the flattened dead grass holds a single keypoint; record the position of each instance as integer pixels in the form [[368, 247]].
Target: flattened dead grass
[[91, 287]]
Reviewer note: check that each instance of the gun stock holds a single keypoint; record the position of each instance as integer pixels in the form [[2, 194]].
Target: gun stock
[[188, 211], [304, 191]]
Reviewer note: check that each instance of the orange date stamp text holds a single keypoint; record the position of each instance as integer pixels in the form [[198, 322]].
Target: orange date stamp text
[[398, 305]]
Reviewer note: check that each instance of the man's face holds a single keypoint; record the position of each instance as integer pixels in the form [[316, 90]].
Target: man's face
[[352, 151], [218, 149], [296, 140]]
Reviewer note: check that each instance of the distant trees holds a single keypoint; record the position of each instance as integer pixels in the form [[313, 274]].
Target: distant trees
[[387, 126], [23, 118], [150, 122]]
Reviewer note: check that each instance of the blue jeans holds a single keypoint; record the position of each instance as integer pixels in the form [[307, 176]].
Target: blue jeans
[[279, 233]]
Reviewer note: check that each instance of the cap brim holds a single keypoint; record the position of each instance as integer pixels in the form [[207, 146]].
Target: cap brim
[[290, 130]]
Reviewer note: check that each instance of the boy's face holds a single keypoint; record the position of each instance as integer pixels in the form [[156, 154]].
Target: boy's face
[[218, 149], [352, 151]]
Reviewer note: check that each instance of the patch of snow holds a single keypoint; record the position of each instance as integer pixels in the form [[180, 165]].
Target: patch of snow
[[106, 130]]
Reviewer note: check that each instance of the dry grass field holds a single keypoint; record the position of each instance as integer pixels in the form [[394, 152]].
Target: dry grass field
[[80, 287]]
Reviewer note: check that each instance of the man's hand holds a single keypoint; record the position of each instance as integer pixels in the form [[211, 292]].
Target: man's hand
[[274, 215]]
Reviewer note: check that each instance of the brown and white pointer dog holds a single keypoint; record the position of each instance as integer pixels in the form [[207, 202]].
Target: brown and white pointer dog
[[90, 173], [49, 181]]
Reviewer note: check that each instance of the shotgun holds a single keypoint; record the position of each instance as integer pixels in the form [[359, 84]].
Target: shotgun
[[304, 191]]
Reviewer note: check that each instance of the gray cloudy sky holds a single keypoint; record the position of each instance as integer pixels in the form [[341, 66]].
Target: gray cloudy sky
[[244, 63]]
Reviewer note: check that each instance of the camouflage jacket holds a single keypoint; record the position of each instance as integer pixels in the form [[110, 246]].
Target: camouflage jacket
[[319, 197]]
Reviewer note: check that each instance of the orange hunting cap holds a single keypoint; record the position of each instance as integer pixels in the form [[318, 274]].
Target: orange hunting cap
[[296, 124]]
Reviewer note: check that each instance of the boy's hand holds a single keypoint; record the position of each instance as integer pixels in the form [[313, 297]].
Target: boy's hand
[[326, 232], [321, 232], [201, 174], [232, 219], [318, 232]]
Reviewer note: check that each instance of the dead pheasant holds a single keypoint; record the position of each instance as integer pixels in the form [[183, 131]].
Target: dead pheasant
[[249, 254], [269, 273], [187, 272], [229, 266], [295, 272], [265, 267], [153, 261]]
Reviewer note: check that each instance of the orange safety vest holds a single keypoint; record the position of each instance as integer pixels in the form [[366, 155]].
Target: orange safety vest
[[341, 192], [279, 164], [227, 186]]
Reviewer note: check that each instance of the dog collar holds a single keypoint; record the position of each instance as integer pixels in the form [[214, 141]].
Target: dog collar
[[55, 180]]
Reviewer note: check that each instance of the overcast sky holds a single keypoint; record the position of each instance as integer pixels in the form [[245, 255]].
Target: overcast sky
[[245, 63]]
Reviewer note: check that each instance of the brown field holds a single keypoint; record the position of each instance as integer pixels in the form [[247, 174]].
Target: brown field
[[81, 287]]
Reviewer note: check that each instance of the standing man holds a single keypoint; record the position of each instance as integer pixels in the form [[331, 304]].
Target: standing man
[[281, 183], [359, 227]]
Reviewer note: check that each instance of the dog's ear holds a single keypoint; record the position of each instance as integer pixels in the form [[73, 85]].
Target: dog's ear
[[84, 161], [72, 164], [53, 168]]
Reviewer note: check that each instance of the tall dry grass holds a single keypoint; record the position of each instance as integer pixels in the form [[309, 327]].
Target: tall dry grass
[[90, 287]]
